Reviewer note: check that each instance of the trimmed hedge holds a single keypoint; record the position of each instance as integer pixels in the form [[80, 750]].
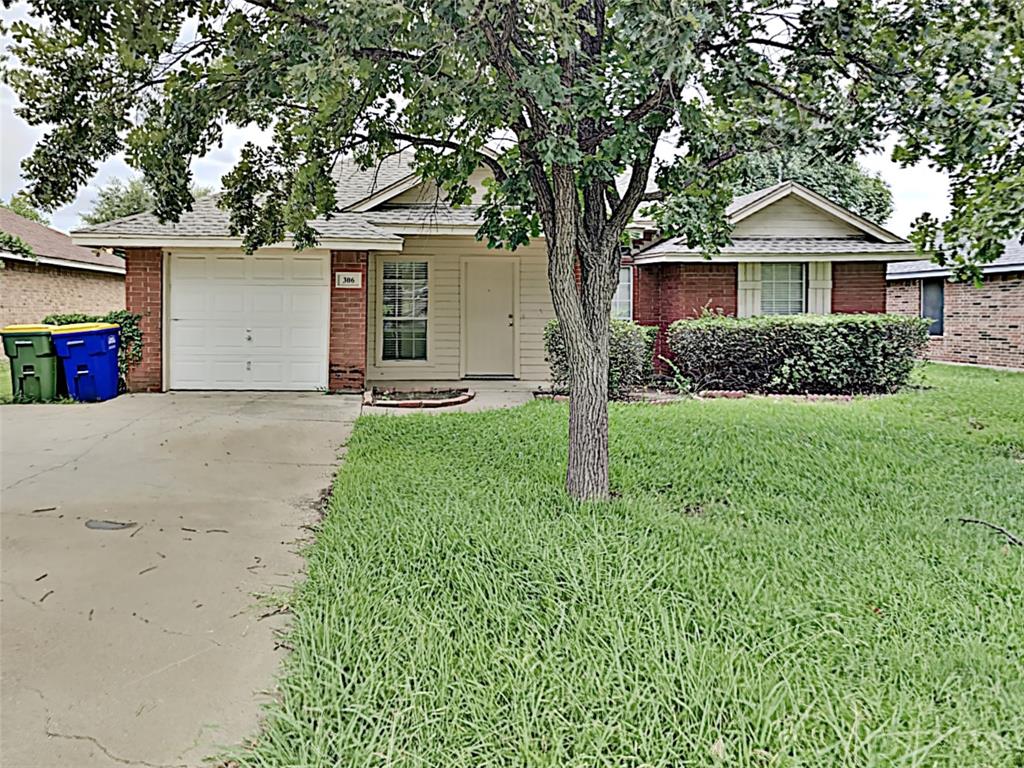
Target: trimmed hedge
[[813, 354], [131, 336], [630, 352]]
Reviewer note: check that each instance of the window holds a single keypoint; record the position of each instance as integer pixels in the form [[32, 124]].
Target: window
[[405, 310], [622, 301], [933, 302], [783, 289]]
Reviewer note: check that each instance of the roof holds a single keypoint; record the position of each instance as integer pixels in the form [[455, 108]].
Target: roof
[[872, 242], [54, 247], [1012, 260], [206, 221]]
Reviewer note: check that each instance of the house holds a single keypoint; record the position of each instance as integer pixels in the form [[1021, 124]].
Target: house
[[59, 276], [792, 251], [979, 324], [399, 292]]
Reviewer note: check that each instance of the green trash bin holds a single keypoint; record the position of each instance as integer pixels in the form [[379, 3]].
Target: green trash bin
[[34, 362]]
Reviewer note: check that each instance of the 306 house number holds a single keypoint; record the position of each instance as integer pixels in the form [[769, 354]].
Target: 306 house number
[[348, 279]]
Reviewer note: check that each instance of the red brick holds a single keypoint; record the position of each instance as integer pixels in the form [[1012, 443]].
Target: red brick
[[144, 296], [982, 325], [347, 361], [858, 286]]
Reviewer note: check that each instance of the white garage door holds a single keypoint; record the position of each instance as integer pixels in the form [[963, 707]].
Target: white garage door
[[248, 322]]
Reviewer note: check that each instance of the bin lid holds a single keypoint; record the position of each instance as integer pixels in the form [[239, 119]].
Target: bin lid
[[82, 327], [38, 328]]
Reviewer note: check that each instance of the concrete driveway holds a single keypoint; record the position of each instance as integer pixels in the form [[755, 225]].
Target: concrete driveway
[[145, 645]]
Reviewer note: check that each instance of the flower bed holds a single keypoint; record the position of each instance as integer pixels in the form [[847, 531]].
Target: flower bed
[[417, 398]]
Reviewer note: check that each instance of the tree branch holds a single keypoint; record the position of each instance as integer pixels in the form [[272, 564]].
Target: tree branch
[[1016, 541]]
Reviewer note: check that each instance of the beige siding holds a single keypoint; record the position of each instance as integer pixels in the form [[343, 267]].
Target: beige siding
[[819, 287], [791, 217], [444, 325], [427, 192]]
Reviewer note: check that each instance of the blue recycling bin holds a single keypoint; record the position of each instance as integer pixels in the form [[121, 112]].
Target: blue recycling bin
[[88, 352]]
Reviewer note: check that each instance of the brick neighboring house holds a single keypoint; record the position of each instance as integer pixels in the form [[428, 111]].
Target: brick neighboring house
[[62, 277], [399, 292], [981, 325]]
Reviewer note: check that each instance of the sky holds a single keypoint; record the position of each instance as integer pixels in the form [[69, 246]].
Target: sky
[[915, 190]]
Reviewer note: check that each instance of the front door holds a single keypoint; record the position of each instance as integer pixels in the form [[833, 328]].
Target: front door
[[489, 316]]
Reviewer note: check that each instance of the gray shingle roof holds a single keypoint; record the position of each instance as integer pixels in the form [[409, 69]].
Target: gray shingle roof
[[207, 220], [1013, 257], [48, 242], [425, 215], [783, 245]]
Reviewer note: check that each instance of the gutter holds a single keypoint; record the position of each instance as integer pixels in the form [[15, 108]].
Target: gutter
[[52, 262]]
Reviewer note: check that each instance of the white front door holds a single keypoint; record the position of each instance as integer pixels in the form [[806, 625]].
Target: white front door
[[248, 322], [489, 316]]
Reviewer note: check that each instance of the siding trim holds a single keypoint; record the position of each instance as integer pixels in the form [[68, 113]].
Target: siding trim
[[819, 287], [748, 289]]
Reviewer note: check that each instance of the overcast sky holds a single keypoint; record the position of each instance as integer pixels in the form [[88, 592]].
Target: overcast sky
[[915, 190]]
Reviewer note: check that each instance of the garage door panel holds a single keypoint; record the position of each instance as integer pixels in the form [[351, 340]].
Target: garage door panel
[[228, 267], [268, 268], [310, 269], [269, 338], [190, 267], [249, 322]]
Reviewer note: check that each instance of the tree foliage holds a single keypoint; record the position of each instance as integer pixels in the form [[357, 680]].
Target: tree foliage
[[847, 183], [22, 205], [118, 198], [575, 95]]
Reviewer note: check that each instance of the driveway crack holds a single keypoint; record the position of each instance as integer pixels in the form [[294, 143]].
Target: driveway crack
[[99, 745]]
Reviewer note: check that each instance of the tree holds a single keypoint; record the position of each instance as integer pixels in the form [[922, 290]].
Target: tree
[[22, 205], [118, 198], [573, 93], [847, 183]]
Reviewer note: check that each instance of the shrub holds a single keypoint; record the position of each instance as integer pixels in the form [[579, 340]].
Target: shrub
[[630, 353], [131, 335], [820, 354]]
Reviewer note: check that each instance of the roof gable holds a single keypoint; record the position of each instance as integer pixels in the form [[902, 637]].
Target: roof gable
[[806, 200]]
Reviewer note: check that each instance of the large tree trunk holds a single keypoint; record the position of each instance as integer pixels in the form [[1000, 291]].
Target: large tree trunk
[[587, 476]]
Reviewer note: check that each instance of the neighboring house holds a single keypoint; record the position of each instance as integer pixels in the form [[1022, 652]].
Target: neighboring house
[[982, 324], [60, 277], [400, 292]]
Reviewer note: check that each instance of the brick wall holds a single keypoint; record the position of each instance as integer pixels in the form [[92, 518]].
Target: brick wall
[[29, 292], [858, 286], [347, 362], [664, 293], [983, 326], [144, 296]]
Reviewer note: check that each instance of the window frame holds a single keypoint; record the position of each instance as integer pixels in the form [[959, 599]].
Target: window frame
[[628, 268], [804, 281], [381, 318], [941, 321]]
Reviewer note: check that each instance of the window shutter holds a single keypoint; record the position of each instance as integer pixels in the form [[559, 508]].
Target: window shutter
[[819, 287], [749, 289]]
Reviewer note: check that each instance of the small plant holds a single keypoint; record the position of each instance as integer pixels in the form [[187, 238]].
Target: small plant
[[677, 381]]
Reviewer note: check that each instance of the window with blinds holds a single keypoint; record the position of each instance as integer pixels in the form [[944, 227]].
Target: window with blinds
[[622, 301], [404, 312], [783, 289]]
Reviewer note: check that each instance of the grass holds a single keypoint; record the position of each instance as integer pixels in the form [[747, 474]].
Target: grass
[[777, 584], [6, 391]]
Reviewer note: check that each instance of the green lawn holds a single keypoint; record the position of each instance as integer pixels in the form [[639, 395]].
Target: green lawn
[[6, 391], [777, 584]]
